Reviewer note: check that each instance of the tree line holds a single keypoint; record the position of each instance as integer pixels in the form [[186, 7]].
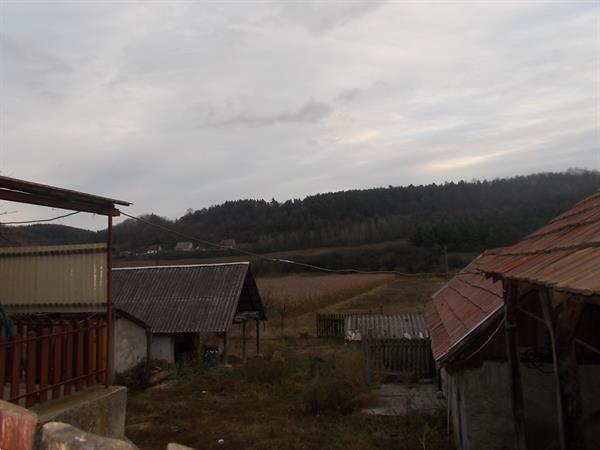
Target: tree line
[[463, 216]]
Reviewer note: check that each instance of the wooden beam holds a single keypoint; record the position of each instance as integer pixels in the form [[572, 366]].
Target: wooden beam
[[244, 341], [562, 322], [511, 297], [20, 197], [257, 337], [225, 358]]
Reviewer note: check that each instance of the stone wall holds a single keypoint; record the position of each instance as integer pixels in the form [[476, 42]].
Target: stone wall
[[131, 344], [162, 348], [480, 401]]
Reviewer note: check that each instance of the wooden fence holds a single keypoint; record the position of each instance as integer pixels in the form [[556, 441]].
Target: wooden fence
[[409, 356], [52, 359], [330, 325]]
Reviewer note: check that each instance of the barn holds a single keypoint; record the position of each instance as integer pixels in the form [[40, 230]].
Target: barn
[[515, 336], [185, 307]]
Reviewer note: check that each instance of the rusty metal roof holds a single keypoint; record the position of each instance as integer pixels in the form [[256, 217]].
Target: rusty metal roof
[[186, 299], [22, 191], [397, 326], [563, 255], [461, 306]]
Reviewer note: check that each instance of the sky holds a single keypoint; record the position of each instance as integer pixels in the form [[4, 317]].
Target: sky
[[177, 105]]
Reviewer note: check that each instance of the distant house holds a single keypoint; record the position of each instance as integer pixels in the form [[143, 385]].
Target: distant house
[[229, 243], [184, 247], [188, 306], [515, 336]]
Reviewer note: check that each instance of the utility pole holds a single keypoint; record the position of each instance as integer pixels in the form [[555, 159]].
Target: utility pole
[[446, 260]]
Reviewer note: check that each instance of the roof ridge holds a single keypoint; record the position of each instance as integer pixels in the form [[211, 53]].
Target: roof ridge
[[170, 266]]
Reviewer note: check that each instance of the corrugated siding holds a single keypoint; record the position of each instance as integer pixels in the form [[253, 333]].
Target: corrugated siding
[[564, 254], [399, 326], [181, 299], [464, 303], [53, 275]]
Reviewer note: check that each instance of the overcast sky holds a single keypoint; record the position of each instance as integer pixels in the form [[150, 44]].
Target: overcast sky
[[172, 105]]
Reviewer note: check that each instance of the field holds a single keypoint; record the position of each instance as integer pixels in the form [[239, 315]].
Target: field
[[302, 393]]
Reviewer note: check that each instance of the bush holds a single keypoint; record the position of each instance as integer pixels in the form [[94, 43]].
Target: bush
[[270, 371], [328, 395]]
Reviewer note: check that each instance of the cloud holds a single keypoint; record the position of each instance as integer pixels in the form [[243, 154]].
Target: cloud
[[322, 17], [189, 104], [310, 112]]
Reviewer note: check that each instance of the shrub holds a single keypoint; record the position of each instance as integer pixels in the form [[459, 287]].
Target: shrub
[[270, 371], [328, 395]]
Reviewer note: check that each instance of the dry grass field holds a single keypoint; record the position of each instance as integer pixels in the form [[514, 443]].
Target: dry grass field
[[303, 392]]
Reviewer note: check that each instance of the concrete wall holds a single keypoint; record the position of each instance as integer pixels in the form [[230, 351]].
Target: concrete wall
[[162, 348], [97, 410], [480, 402], [131, 344]]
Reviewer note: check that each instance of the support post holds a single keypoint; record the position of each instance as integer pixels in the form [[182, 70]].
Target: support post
[[225, 359], [244, 341], [109, 312], [257, 336], [512, 353], [562, 324], [367, 357]]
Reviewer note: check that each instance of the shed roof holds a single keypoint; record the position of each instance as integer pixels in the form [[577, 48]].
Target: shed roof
[[563, 255], [397, 326], [461, 306], [190, 298], [22, 191]]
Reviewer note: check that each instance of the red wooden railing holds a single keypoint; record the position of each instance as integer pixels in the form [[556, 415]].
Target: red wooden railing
[[54, 359]]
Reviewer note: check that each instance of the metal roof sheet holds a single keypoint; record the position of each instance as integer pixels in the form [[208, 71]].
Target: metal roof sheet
[[22, 191], [564, 254], [178, 299], [397, 326], [461, 306]]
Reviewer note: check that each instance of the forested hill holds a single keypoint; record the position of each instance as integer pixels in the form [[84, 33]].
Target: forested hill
[[464, 216]]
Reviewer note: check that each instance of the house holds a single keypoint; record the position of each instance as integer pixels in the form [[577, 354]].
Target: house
[[228, 243], [515, 337], [184, 247], [186, 306]]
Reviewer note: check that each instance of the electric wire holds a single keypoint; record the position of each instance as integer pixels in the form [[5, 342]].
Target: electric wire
[[23, 222], [281, 260]]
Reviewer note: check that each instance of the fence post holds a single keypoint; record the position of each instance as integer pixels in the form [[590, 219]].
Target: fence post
[[3, 366], [367, 358], [44, 363], [79, 359], [31, 368], [68, 357], [57, 361], [15, 373]]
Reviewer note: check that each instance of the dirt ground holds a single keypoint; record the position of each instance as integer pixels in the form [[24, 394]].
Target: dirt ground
[[302, 393]]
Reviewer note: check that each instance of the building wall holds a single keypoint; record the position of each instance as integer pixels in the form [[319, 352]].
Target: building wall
[[131, 344], [163, 348], [480, 403]]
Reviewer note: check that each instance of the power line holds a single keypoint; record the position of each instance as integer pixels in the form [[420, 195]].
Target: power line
[[22, 222], [280, 260]]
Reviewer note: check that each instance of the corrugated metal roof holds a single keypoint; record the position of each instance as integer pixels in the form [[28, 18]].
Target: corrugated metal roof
[[461, 306], [564, 254], [178, 299], [398, 326]]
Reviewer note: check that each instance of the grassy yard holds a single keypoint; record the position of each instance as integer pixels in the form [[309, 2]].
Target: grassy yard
[[306, 394]]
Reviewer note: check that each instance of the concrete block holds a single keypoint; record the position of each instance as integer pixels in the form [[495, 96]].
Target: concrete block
[[61, 436], [98, 410], [173, 446], [17, 427]]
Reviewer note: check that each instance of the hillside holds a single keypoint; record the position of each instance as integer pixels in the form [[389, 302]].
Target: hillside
[[465, 216]]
